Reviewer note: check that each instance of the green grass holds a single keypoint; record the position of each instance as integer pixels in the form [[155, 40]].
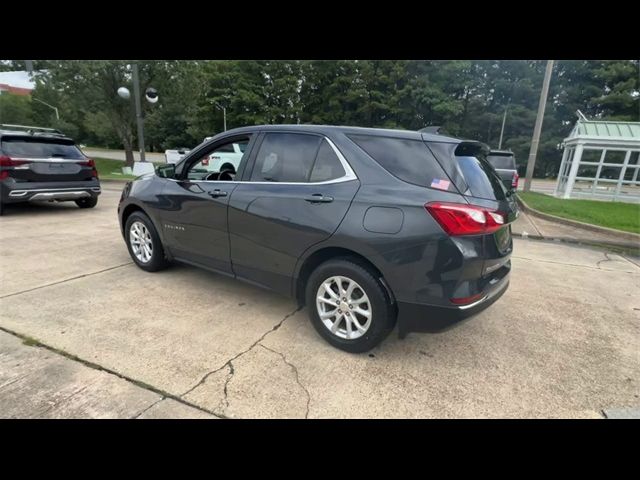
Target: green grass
[[109, 169], [618, 215]]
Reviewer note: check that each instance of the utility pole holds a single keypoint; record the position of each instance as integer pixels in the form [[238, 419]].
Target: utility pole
[[29, 65], [136, 95], [224, 114], [531, 162], [504, 119], [50, 106]]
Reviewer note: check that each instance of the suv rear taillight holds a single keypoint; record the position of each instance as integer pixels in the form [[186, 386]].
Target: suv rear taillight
[[10, 162], [514, 181], [92, 164], [462, 219]]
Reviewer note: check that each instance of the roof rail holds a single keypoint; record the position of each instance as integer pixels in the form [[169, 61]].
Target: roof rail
[[432, 129], [29, 128]]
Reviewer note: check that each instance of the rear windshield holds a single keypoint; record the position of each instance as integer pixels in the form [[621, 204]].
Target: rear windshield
[[39, 148], [409, 160], [482, 180], [504, 162]]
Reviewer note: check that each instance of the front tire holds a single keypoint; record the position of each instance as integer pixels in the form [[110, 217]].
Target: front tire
[[87, 202], [348, 306], [143, 243]]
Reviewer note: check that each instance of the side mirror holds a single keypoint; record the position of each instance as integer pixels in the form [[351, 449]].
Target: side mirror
[[166, 171]]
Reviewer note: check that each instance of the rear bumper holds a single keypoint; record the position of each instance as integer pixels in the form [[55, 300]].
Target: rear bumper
[[26, 192], [413, 317]]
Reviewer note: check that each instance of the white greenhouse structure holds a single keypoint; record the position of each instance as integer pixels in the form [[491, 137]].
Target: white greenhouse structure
[[601, 161]]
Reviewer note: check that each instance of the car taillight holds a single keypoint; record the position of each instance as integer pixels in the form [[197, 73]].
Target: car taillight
[[461, 219], [92, 164], [514, 182], [10, 162]]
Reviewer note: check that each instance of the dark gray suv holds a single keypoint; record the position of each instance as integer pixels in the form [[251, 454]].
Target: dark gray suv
[[366, 227], [43, 164]]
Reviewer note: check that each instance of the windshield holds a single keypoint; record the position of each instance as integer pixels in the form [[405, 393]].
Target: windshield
[[39, 148], [504, 162]]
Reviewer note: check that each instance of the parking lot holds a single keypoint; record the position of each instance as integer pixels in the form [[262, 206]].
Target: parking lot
[[564, 341]]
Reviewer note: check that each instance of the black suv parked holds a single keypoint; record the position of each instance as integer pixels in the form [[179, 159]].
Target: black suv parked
[[43, 164], [364, 226]]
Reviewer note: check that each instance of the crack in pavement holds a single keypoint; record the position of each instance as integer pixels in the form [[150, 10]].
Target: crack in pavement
[[95, 366], [65, 280], [225, 399], [228, 362], [147, 408], [295, 371], [605, 259]]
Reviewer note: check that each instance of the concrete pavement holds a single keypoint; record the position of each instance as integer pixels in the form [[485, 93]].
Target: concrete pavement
[[38, 383], [562, 342]]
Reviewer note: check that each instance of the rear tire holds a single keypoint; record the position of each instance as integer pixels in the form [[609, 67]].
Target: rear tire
[[87, 202], [371, 315], [150, 256]]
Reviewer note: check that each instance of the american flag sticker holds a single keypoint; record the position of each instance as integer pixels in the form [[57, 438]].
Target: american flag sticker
[[440, 184]]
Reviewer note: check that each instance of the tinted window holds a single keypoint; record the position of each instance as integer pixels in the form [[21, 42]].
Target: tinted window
[[327, 166], [38, 148], [409, 160], [482, 180], [285, 157], [226, 148], [505, 162]]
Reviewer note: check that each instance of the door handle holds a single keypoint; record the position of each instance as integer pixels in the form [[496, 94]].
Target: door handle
[[318, 198], [217, 193]]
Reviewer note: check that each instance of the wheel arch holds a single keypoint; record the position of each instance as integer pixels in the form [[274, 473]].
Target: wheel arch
[[313, 260]]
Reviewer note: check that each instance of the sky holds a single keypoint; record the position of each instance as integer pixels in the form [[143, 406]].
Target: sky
[[17, 79]]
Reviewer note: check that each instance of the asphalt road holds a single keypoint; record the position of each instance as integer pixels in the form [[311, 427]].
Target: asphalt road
[[564, 341]]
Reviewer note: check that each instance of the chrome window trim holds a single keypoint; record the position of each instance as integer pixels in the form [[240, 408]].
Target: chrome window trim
[[347, 177]]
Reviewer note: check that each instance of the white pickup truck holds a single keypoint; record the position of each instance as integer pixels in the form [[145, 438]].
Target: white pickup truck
[[225, 157], [174, 156]]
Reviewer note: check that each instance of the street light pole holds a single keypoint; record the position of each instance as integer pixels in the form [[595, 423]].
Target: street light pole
[[136, 95], [224, 114], [504, 119], [531, 162], [50, 106]]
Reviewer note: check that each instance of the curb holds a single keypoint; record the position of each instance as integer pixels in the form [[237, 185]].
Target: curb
[[631, 240], [628, 248]]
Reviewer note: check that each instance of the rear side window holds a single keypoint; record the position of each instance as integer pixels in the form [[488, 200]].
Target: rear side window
[[37, 148], [327, 166], [409, 160], [504, 162], [285, 157]]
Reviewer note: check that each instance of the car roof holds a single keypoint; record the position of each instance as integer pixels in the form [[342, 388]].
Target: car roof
[[32, 134], [328, 129]]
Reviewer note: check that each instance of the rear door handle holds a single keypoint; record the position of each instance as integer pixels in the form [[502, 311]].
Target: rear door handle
[[318, 198], [217, 193]]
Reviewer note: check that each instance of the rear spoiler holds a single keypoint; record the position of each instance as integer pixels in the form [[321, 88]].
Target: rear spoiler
[[472, 148], [433, 129]]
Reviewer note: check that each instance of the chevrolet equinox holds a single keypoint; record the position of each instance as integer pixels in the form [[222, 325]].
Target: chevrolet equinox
[[366, 227]]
